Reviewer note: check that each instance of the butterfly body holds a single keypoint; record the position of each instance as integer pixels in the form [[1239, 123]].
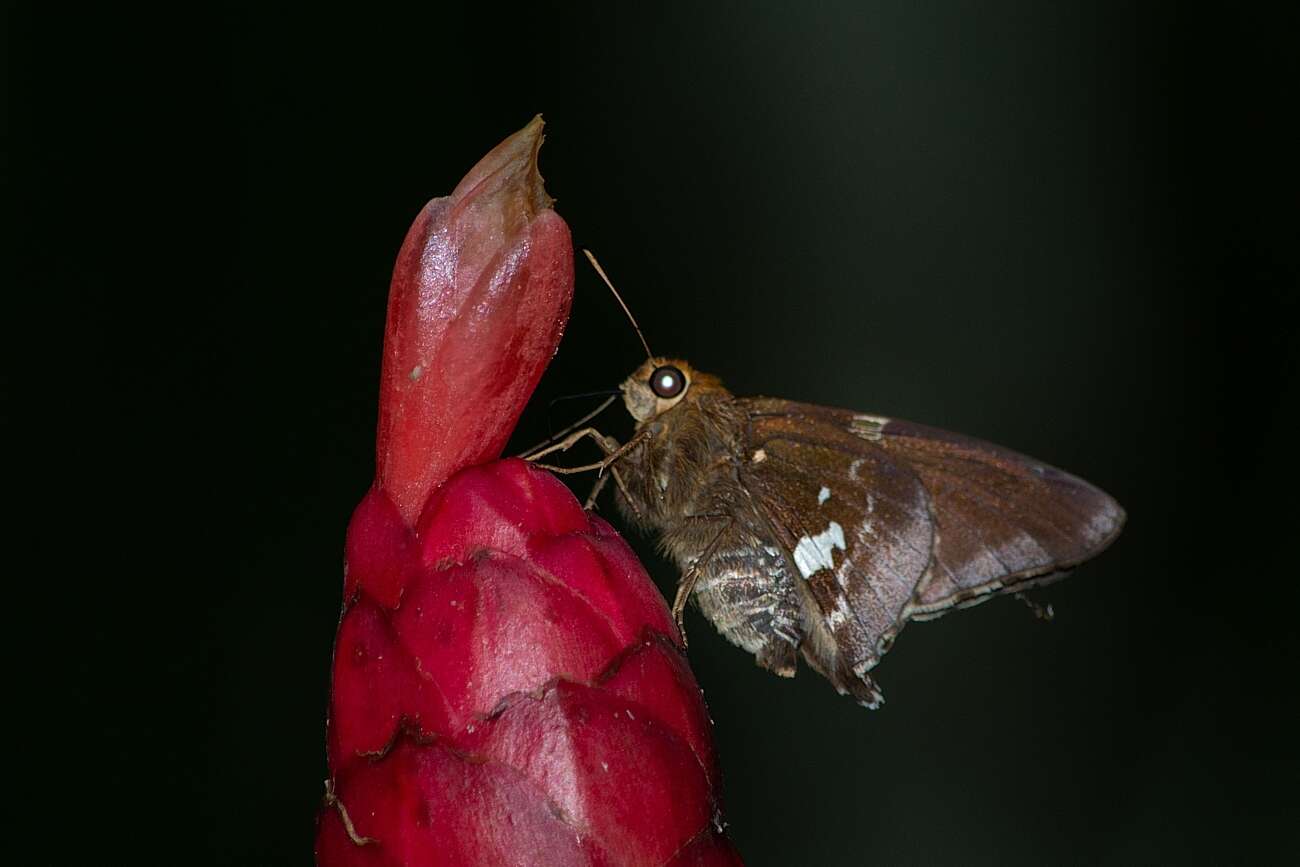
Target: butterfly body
[[684, 481], [806, 532]]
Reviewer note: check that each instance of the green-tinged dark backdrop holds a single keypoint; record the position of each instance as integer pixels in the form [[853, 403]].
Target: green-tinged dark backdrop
[[1070, 229]]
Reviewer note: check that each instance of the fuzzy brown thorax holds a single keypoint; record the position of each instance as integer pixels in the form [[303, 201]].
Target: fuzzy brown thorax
[[688, 439]]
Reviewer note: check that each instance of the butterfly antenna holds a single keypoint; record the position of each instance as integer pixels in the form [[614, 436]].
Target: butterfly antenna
[[631, 318]]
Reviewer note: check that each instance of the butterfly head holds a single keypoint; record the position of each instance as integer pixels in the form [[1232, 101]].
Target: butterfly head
[[661, 384], [656, 386]]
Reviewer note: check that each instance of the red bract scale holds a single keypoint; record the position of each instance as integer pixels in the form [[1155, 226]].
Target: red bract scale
[[508, 683]]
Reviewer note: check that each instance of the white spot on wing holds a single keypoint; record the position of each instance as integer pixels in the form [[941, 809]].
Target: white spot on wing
[[817, 552], [760, 456], [841, 614], [823, 495], [869, 427], [868, 526], [417, 372], [1102, 523]]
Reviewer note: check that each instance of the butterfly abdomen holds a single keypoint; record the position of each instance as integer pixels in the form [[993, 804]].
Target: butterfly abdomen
[[747, 593]]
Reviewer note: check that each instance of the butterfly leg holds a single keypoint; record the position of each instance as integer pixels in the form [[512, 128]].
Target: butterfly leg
[[687, 584], [1041, 611], [608, 445], [613, 451], [600, 484], [590, 502]]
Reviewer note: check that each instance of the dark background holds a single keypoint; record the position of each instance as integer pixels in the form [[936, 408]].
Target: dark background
[[1069, 230]]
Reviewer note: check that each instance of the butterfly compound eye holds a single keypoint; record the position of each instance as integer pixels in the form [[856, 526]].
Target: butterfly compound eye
[[667, 381]]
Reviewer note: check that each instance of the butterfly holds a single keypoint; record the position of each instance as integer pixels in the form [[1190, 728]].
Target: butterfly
[[813, 533]]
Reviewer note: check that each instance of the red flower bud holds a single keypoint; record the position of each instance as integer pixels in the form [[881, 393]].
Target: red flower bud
[[479, 299], [508, 687]]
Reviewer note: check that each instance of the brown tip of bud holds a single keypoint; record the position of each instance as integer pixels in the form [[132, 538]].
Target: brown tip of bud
[[479, 299], [513, 163]]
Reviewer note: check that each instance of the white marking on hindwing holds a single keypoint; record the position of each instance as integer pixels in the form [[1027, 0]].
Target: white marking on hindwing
[[823, 495], [841, 614], [843, 572], [814, 553], [759, 456], [854, 467]]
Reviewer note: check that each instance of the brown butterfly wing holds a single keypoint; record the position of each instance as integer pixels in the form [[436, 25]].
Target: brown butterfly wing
[[986, 520], [1004, 522], [856, 531]]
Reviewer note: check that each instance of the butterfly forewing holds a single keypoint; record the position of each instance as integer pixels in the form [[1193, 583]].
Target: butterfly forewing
[[857, 532]]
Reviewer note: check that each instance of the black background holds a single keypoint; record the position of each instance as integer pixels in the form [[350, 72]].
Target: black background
[[1069, 230]]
